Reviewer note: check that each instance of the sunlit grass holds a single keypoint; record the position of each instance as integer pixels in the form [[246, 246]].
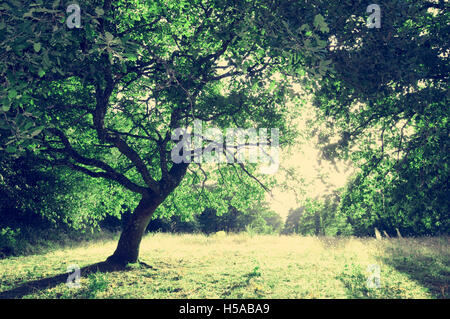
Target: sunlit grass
[[247, 266]]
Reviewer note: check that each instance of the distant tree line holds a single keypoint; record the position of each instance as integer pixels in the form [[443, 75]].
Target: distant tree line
[[39, 205], [209, 221], [331, 216]]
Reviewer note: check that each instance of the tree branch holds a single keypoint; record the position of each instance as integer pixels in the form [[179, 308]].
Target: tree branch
[[108, 171]]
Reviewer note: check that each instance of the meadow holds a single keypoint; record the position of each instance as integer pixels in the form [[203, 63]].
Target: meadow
[[240, 266]]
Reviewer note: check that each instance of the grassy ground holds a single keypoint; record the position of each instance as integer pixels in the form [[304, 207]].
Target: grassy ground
[[240, 266]]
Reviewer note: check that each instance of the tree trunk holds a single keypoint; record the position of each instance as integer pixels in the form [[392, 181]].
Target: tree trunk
[[127, 250], [317, 223]]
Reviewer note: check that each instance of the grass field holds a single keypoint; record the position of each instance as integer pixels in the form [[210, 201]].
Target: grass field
[[240, 266]]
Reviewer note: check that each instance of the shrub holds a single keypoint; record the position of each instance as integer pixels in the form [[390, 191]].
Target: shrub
[[8, 239]]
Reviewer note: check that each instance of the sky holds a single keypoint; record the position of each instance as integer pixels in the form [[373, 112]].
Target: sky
[[305, 160]]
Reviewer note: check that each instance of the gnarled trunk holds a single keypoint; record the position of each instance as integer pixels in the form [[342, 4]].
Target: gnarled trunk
[[127, 250]]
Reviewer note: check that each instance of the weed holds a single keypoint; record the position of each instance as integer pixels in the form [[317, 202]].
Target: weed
[[97, 283]]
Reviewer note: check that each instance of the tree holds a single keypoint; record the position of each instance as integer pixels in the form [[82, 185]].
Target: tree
[[293, 220], [273, 221], [209, 221], [387, 99], [260, 219], [135, 72], [318, 216], [37, 196], [33, 42]]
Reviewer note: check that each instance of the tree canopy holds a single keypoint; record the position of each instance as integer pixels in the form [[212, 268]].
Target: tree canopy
[[388, 101], [111, 89], [105, 98]]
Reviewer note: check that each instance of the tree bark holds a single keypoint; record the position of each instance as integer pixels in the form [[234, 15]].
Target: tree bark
[[317, 223], [127, 250]]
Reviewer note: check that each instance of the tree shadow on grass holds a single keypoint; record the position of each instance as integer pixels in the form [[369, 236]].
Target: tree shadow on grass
[[244, 283], [430, 267], [354, 279], [50, 282]]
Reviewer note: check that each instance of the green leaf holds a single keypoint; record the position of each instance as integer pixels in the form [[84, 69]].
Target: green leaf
[[59, 71], [321, 43], [99, 11], [45, 59], [27, 125], [41, 72], [303, 27], [12, 94], [28, 14], [319, 23], [11, 149], [272, 85], [37, 46], [6, 107], [318, 20], [109, 37], [130, 56], [36, 131]]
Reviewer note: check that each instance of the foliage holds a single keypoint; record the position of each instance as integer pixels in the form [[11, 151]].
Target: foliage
[[88, 114], [97, 283], [39, 197], [319, 216], [387, 99], [261, 221], [8, 240], [105, 99]]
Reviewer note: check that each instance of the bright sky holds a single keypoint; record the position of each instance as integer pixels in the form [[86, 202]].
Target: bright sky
[[305, 163], [304, 159]]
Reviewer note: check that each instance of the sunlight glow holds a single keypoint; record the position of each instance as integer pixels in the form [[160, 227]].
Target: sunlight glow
[[313, 177]]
